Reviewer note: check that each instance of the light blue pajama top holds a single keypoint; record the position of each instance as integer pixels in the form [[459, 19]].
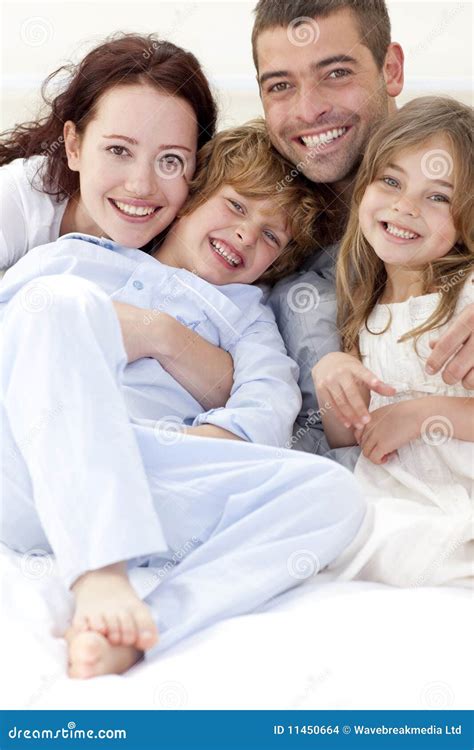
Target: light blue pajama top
[[265, 398]]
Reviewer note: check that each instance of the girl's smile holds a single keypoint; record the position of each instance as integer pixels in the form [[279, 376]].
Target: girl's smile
[[405, 213]]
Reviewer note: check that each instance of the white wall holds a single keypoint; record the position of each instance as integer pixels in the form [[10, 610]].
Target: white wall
[[39, 36]]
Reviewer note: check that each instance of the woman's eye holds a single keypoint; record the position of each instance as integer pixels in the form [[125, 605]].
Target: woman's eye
[[390, 181], [118, 150], [171, 164], [237, 206]]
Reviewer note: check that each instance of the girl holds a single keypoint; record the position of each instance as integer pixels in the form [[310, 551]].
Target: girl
[[113, 157], [107, 465], [405, 270]]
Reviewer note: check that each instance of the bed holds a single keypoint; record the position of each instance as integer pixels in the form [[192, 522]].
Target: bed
[[323, 645]]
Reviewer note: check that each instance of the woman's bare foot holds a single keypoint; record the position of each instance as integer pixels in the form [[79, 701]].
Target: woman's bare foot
[[90, 654], [106, 603]]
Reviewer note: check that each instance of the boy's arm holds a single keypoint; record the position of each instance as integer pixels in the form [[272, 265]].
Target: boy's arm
[[265, 397], [203, 369]]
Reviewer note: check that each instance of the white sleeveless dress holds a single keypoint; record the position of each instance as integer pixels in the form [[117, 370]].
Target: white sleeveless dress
[[420, 526]]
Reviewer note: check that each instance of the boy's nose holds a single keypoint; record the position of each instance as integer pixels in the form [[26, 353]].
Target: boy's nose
[[247, 234]]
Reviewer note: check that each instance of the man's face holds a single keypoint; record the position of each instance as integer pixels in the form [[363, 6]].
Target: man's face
[[322, 94]]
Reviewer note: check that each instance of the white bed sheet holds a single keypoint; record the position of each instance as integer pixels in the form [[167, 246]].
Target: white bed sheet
[[324, 645]]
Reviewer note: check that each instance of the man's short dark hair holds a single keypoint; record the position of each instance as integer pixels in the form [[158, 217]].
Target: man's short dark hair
[[371, 15]]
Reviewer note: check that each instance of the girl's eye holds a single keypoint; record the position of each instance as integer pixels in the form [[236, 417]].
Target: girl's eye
[[236, 205], [390, 181], [118, 150], [439, 198], [170, 164], [339, 73]]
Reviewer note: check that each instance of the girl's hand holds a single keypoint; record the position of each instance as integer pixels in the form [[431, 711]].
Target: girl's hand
[[343, 385], [391, 427]]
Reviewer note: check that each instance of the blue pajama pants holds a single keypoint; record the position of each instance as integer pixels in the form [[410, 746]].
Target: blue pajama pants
[[223, 526]]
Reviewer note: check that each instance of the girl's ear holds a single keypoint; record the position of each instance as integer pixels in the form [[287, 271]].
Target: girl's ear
[[72, 145]]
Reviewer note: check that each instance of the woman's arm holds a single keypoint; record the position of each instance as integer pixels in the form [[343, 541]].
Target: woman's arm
[[205, 371]]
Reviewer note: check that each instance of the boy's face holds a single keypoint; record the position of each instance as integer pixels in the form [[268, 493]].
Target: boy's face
[[323, 94], [229, 239]]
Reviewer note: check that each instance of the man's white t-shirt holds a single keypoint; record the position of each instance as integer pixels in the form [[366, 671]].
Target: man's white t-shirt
[[29, 217]]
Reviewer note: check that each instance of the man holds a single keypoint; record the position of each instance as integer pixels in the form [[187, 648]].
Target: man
[[328, 72]]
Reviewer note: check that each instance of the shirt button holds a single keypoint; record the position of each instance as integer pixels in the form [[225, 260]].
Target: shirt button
[[138, 285]]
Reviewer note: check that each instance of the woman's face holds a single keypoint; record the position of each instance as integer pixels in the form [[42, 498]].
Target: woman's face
[[135, 160]]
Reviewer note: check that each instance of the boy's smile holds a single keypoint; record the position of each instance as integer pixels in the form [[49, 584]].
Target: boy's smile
[[229, 239]]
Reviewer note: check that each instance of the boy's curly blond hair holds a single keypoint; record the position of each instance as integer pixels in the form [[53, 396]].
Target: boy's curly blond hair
[[244, 158]]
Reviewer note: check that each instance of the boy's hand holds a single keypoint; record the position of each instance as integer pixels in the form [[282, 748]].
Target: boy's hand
[[344, 384], [391, 427]]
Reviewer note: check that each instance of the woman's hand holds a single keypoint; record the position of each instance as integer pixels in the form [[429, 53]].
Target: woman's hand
[[390, 427], [343, 385], [458, 341]]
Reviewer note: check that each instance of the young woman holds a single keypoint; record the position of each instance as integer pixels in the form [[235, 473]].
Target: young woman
[[113, 157]]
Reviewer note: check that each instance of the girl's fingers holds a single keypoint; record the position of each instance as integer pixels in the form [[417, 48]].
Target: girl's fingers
[[335, 401], [344, 406], [371, 380]]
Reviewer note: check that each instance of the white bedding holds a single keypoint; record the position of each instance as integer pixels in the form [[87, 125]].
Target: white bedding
[[324, 645]]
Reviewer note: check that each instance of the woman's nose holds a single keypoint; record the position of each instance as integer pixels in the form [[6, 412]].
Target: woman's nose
[[142, 181]]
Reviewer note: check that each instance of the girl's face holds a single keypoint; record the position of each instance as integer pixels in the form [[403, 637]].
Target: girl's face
[[134, 160], [229, 239], [405, 213]]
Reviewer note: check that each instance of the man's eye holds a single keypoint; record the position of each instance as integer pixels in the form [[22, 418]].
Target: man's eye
[[390, 181], [236, 205], [171, 163], [118, 150], [439, 198], [281, 86], [339, 73]]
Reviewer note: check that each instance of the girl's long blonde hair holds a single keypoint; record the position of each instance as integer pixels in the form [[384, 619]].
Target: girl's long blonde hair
[[361, 275]]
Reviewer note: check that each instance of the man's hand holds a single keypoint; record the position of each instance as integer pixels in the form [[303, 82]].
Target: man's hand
[[458, 341]]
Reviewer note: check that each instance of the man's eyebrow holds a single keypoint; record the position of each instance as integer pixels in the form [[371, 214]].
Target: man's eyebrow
[[439, 182], [134, 142], [314, 66]]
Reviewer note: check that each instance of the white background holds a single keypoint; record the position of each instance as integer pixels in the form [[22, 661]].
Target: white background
[[37, 37]]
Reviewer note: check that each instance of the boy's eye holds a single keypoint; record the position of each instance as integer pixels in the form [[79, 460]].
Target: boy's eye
[[118, 150], [170, 164], [273, 238], [236, 205], [390, 181]]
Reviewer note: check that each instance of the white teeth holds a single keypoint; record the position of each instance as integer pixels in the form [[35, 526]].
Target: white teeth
[[315, 140], [134, 210], [405, 235], [233, 259]]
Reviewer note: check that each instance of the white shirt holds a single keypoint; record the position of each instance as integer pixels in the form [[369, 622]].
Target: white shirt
[[265, 398], [29, 216]]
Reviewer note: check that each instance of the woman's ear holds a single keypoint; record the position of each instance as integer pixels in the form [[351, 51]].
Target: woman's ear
[[72, 145]]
